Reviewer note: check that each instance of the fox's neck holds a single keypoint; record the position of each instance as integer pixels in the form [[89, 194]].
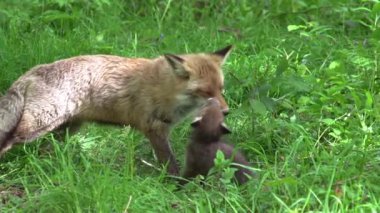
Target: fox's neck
[[174, 101], [204, 137]]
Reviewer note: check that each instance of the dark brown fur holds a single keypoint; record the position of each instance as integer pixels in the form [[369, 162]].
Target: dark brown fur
[[206, 141]]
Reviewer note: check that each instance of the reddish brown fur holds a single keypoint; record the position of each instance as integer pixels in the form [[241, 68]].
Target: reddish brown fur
[[206, 141], [148, 94]]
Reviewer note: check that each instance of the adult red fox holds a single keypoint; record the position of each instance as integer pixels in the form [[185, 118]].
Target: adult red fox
[[150, 95], [205, 141]]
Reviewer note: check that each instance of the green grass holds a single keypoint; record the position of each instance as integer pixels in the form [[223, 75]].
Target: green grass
[[302, 84]]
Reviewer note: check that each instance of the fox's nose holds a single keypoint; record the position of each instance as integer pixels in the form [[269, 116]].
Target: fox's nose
[[226, 111]]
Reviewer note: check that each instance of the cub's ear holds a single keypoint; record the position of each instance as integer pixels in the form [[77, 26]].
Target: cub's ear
[[223, 53], [196, 121], [225, 129], [176, 63]]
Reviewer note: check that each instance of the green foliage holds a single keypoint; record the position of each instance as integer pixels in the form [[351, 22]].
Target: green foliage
[[302, 84]]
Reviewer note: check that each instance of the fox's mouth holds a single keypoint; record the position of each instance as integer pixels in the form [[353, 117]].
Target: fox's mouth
[[187, 104], [212, 101]]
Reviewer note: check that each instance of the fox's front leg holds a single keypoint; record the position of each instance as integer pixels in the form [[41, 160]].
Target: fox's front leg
[[161, 146]]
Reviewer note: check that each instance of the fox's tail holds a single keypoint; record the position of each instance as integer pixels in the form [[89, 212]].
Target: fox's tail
[[11, 107]]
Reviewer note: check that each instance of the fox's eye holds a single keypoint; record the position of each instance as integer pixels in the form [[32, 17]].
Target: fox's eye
[[205, 93], [209, 94]]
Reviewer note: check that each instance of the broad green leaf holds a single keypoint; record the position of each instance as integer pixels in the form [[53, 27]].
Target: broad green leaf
[[376, 8], [334, 65], [328, 121], [376, 34], [369, 100], [295, 27], [258, 107]]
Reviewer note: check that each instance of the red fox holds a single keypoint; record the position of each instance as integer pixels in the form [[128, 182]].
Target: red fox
[[206, 141], [150, 95]]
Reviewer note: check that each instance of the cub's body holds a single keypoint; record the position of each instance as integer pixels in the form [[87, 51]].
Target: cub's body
[[206, 141]]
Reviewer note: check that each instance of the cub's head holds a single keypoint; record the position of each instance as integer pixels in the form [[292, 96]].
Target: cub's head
[[204, 78], [209, 126]]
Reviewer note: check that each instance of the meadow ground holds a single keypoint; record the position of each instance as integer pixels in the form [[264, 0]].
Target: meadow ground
[[302, 84]]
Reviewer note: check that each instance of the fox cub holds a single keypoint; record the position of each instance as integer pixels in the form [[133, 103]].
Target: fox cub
[[206, 141], [150, 95]]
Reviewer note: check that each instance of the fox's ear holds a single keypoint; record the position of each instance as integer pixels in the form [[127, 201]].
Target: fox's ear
[[225, 129], [196, 121], [176, 63], [223, 53]]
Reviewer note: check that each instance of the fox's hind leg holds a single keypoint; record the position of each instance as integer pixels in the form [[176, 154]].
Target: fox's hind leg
[[26, 133], [69, 127], [37, 119], [11, 107]]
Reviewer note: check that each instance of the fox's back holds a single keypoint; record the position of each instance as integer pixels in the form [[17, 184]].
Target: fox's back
[[87, 69]]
